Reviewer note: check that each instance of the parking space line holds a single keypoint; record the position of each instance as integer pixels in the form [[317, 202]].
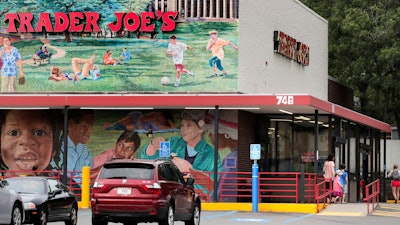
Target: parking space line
[[218, 215], [297, 218]]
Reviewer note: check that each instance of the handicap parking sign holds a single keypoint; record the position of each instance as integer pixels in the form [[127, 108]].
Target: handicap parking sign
[[255, 151], [165, 149]]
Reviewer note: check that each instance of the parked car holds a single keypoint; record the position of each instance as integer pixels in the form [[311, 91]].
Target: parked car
[[130, 191], [11, 206], [45, 200]]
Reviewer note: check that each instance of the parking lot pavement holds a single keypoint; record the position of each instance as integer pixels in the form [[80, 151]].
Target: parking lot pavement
[[385, 209]]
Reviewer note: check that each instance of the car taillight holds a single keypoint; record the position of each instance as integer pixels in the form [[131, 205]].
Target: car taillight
[[154, 188], [98, 187]]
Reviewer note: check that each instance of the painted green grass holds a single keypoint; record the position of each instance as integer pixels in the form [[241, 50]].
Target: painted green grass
[[148, 65]]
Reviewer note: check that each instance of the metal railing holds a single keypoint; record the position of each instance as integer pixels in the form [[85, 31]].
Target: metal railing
[[372, 191]]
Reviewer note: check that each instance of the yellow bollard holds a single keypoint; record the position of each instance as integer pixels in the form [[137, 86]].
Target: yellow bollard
[[85, 194]]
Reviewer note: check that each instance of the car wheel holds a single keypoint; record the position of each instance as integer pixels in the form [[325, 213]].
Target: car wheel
[[97, 220], [73, 217], [16, 215], [195, 220], [42, 218], [169, 218]]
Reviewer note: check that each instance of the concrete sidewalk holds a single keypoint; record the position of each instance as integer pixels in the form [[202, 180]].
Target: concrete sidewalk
[[347, 209]]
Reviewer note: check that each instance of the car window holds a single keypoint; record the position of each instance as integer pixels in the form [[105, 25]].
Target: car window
[[27, 186], [168, 172], [164, 173], [53, 184], [138, 171]]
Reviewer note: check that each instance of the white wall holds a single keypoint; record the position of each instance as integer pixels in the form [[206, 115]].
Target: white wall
[[258, 21], [392, 153]]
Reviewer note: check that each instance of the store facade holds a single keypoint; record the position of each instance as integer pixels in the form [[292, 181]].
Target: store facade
[[275, 91]]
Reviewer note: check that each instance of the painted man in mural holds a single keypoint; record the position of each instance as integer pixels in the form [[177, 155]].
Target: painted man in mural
[[215, 45], [190, 152], [80, 127], [227, 141], [176, 49], [29, 140]]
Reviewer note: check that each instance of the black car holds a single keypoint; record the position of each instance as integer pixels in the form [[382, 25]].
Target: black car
[[45, 200]]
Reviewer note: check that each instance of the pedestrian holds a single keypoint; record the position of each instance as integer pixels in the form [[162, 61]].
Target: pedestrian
[[215, 45], [329, 172], [337, 187], [394, 174], [344, 179], [176, 49]]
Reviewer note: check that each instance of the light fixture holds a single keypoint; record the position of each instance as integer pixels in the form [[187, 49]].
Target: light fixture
[[284, 111], [199, 107], [24, 108], [241, 108], [118, 108], [302, 118]]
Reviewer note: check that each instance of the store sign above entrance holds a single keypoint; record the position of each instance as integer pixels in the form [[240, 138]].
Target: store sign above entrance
[[87, 22], [291, 48]]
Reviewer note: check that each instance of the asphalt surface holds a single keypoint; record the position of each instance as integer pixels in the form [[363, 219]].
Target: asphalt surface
[[353, 213]]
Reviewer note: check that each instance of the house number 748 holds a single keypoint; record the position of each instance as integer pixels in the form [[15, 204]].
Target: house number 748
[[284, 100]]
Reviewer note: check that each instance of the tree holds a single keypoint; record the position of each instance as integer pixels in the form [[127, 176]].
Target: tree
[[364, 53]]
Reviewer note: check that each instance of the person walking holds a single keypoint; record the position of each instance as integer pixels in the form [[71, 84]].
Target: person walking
[[329, 172], [394, 174], [344, 179]]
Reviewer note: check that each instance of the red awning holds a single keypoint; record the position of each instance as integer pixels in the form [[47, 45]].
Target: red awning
[[271, 104]]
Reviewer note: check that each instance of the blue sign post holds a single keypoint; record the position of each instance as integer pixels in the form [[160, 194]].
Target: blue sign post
[[165, 150], [255, 154]]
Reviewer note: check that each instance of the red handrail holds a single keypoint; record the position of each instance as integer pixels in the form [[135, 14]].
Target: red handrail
[[372, 191]]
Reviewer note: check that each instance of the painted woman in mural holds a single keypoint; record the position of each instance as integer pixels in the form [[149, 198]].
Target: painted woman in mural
[[11, 61], [227, 140], [29, 139], [191, 153], [215, 45]]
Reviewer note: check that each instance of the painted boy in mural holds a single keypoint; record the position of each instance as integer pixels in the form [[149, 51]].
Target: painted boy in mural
[[124, 148], [176, 49], [215, 45], [227, 140], [190, 152], [29, 140]]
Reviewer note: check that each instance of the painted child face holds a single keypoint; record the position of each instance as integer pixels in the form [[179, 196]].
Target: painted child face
[[124, 150], [26, 140], [190, 131]]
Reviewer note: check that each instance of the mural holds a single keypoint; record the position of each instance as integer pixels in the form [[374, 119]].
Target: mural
[[35, 146], [118, 47]]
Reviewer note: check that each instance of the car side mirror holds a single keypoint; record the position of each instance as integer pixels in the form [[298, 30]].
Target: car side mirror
[[190, 181], [3, 183], [56, 192]]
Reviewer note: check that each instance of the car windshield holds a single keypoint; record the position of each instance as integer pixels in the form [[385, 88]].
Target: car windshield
[[127, 171], [26, 186]]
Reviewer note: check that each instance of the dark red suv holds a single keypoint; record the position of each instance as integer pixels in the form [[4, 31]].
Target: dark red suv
[[130, 191]]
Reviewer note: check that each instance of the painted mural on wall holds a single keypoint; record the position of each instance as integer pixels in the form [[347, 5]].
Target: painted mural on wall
[[118, 47], [32, 142]]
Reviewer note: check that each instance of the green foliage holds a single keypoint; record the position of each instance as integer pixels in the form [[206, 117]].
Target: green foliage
[[364, 51]]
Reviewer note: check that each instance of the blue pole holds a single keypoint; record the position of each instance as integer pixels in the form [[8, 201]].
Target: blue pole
[[254, 182]]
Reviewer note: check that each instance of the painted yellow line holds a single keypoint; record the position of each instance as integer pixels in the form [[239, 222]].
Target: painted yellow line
[[263, 207], [386, 214]]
